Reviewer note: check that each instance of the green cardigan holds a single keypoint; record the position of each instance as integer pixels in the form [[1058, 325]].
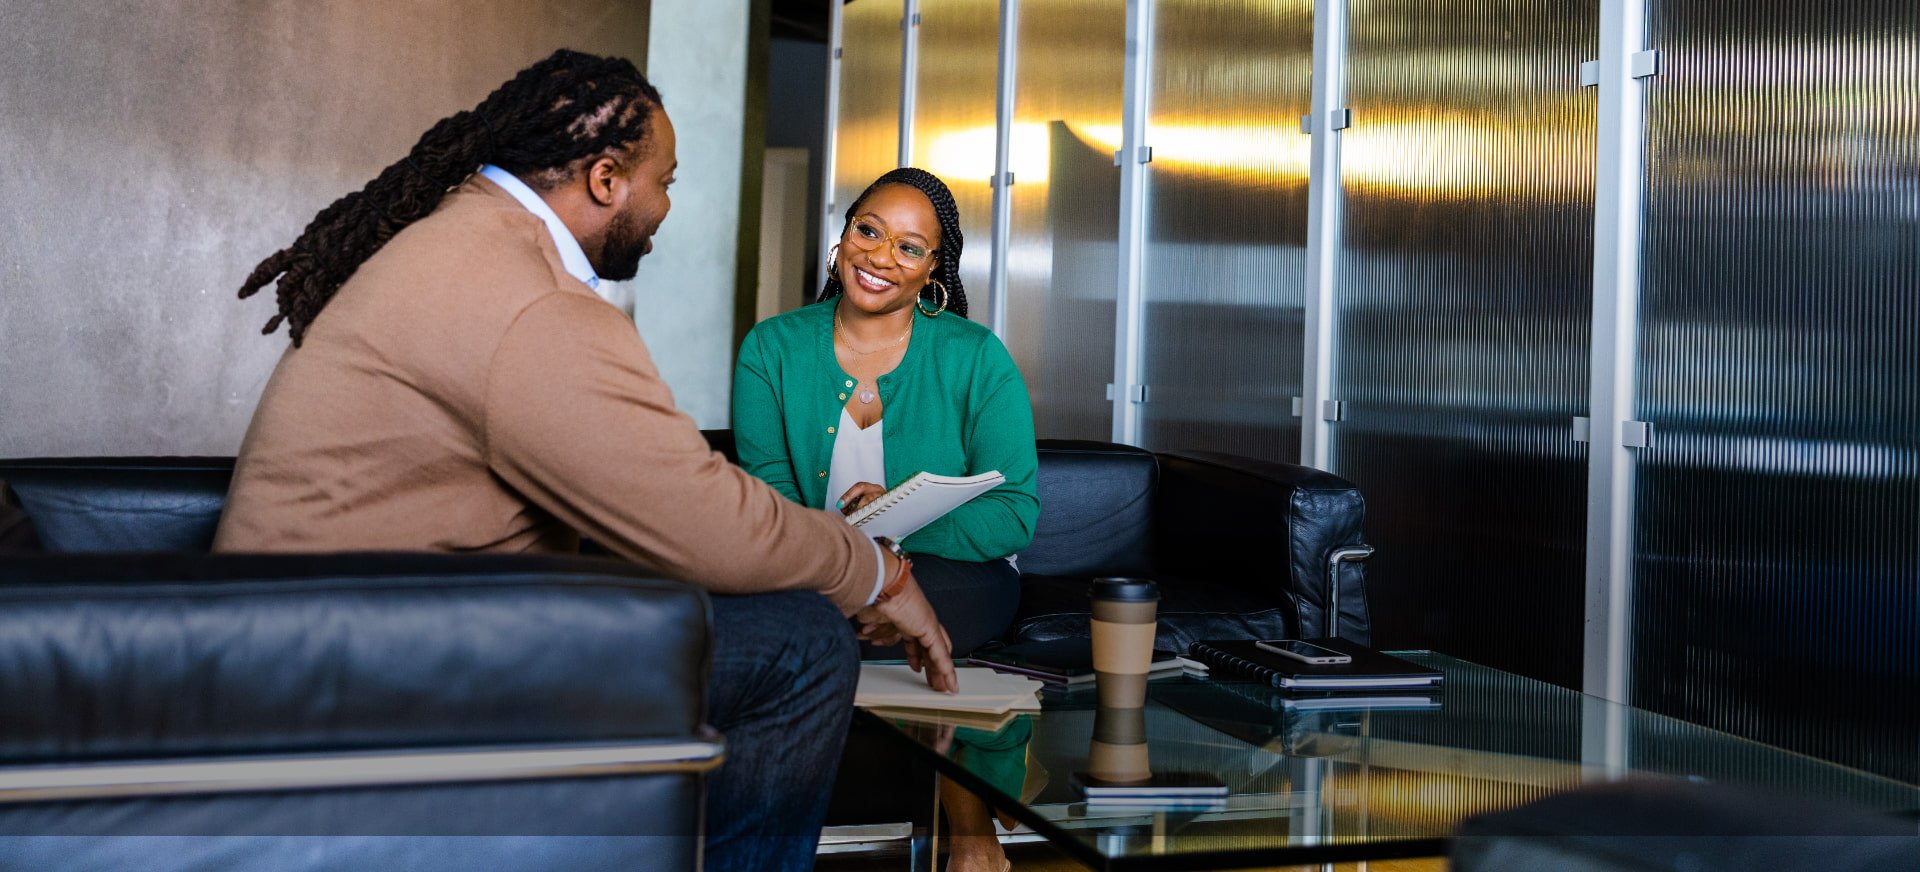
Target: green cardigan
[[955, 405]]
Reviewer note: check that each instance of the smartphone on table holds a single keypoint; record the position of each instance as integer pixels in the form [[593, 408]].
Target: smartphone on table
[[1308, 652]]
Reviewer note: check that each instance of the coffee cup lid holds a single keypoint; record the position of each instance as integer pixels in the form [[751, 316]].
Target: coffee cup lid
[[1135, 590]]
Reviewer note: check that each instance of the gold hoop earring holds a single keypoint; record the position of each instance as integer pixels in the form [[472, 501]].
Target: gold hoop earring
[[922, 304], [833, 261]]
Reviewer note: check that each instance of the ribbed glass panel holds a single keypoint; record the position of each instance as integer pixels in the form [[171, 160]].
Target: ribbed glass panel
[[1463, 314], [1063, 261], [867, 133], [1226, 217], [1777, 526], [953, 123]]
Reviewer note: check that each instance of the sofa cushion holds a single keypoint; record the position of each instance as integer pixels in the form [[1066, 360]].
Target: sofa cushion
[[122, 504], [1055, 607], [177, 654], [1096, 510], [16, 534]]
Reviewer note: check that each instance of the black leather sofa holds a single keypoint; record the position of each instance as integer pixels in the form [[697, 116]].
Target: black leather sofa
[[178, 710], [125, 642]]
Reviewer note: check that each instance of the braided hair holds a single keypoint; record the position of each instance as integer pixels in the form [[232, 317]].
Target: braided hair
[[947, 265], [567, 107]]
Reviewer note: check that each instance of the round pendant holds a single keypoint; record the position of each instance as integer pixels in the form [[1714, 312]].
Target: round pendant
[[866, 396]]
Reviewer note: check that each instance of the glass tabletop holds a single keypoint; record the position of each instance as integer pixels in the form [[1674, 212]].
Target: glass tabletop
[[1334, 779]]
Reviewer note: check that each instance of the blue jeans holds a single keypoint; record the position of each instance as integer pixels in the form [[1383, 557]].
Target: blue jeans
[[784, 669]]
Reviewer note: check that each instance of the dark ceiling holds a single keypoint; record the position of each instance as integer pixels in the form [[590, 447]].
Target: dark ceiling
[[802, 19]]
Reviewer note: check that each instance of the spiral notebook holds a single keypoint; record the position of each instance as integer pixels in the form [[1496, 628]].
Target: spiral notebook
[[920, 501], [1370, 669]]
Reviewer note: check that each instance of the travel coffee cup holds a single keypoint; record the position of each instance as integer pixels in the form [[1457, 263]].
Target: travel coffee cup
[[1123, 622]]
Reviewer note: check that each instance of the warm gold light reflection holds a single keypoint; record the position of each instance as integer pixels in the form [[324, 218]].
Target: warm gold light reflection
[[968, 153], [1454, 158]]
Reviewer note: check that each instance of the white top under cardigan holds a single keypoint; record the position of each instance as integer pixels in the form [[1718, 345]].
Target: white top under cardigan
[[858, 455]]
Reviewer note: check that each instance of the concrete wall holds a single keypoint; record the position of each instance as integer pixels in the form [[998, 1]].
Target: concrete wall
[[152, 152], [686, 293]]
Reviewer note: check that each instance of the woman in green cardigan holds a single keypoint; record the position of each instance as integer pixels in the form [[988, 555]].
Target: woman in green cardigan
[[885, 377]]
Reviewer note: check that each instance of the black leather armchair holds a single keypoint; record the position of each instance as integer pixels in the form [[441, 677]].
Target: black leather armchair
[[1242, 548], [256, 703]]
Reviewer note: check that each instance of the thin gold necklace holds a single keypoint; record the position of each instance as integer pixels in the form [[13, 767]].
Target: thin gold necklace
[[841, 335]]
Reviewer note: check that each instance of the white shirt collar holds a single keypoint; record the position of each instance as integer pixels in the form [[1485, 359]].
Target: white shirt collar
[[572, 256]]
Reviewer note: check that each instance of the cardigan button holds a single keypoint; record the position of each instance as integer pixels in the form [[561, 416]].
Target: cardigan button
[[843, 396], [823, 473], [829, 429], [849, 384]]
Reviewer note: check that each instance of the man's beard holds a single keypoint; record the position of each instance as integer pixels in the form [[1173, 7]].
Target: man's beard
[[626, 244]]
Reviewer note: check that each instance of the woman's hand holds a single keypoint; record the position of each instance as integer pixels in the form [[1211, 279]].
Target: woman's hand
[[859, 495]]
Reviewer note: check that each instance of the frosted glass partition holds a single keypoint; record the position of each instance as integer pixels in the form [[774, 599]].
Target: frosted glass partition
[[1463, 309], [1226, 214], [867, 134], [953, 125], [1063, 267], [1777, 527]]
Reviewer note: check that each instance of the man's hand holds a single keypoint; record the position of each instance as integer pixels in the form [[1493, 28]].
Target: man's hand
[[907, 619]]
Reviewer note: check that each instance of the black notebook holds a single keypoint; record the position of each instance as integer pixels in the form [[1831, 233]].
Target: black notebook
[[1370, 669]]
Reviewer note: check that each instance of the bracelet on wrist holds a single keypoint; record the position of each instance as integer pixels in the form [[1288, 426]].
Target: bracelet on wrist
[[899, 581]]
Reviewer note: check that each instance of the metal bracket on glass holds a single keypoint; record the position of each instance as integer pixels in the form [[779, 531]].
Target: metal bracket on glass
[[1299, 407], [1138, 393], [1590, 74], [1342, 119], [1582, 429], [913, 21], [1645, 64], [1636, 434], [838, 52], [1116, 157], [1003, 180], [1333, 410], [1349, 554], [1146, 154]]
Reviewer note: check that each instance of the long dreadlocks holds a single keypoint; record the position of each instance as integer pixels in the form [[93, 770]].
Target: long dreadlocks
[[947, 264], [564, 108]]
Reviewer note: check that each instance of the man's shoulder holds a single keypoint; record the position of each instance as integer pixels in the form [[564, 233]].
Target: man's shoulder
[[476, 235]]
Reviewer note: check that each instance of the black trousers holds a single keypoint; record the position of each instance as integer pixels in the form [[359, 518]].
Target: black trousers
[[975, 601]]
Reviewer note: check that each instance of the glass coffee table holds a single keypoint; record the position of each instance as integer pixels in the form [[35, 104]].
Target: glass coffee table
[[1323, 781]]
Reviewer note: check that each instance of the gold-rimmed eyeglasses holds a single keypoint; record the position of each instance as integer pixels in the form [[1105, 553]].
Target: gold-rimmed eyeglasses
[[866, 236]]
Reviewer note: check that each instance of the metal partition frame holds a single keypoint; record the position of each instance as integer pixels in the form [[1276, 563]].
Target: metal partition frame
[[1619, 188], [1128, 390], [1325, 200], [832, 139], [909, 77], [1002, 160]]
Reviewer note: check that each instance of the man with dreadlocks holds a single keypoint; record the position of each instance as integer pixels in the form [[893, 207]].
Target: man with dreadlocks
[[456, 383]]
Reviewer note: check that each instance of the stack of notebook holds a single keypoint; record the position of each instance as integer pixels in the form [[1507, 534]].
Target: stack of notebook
[[987, 699], [1190, 791], [1369, 671]]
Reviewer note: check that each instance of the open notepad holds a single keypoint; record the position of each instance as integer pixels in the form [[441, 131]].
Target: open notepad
[[920, 501], [982, 691]]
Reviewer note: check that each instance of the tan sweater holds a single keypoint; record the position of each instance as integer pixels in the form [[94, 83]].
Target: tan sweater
[[462, 392]]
